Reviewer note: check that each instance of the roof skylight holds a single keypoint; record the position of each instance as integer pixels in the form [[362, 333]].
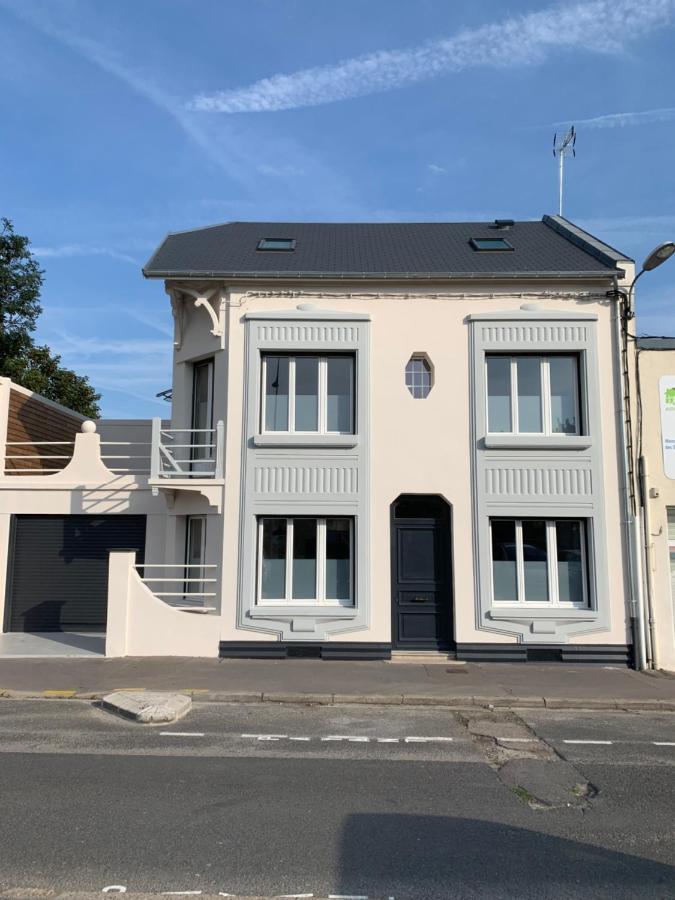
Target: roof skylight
[[276, 244], [490, 244]]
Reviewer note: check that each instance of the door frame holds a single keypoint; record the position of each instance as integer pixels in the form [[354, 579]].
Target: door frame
[[394, 521]]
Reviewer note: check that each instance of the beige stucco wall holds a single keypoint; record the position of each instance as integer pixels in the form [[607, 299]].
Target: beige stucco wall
[[418, 446], [653, 365]]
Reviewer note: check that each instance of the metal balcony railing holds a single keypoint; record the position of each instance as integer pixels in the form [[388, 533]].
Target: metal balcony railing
[[186, 453], [185, 587]]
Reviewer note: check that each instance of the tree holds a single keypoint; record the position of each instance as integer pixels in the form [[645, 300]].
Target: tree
[[33, 367]]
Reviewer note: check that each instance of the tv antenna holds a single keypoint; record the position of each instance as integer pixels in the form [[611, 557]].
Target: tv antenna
[[561, 149]]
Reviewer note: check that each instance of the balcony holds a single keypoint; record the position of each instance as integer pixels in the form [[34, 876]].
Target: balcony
[[189, 459]]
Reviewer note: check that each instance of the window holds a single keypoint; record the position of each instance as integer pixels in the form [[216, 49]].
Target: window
[[418, 378], [308, 394], [276, 244], [490, 244], [539, 562], [195, 555], [305, 561], [533, 395], [201, 439]]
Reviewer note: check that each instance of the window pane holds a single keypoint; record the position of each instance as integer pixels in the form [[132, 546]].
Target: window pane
[[535, 557], [529, 394], [306, 393], [194, 555], [499, 394], [273, 579], [418, 377], [304, 559], [564, 418], [570, 571], [339, 413], [338, 559], [504, 571], [276, 393]]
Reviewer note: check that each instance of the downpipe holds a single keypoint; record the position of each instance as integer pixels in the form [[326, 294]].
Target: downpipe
[[630, 521], [648, 551]]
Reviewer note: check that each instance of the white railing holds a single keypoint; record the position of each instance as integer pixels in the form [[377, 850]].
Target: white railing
[[38, 458], [186, 453], [194, 594], [39, 462]]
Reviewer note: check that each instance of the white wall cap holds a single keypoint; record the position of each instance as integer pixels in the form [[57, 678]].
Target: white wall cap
[[553, 315], [308, 314]]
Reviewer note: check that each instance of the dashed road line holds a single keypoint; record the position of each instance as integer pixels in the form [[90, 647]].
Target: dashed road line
[[182, 733], [586, 742], [663, 743], [518, 740]]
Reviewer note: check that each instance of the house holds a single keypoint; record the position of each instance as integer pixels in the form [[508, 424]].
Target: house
[[383, 437], [655, 447]]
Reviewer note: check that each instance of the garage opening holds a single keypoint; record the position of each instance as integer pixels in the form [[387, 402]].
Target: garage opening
[[58, 570]]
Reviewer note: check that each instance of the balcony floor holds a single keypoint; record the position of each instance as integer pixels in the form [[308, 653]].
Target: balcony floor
[[20, 645]]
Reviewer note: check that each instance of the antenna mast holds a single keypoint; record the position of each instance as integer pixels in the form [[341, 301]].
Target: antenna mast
[[561, 149]]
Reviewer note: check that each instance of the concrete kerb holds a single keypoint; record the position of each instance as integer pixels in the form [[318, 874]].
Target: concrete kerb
[[206, 696]]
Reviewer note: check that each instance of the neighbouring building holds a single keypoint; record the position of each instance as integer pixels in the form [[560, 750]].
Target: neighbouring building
[[382, 437], [655, 448]]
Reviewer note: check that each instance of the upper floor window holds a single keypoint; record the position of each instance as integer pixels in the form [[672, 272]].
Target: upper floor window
[[418, 377], [307, 394], [529, 394]]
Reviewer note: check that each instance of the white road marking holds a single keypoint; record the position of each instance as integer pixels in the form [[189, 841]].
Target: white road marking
[[387, 740], [348, 897], [272, 737], [299, 739], [518, 740], [425, 740], [663, 743], [292, 896], [114, 889], [587, 742], [182, 733]]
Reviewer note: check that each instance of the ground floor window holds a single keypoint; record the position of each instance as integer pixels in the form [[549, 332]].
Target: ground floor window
[[306, 560], [539, 562], [195, 554]]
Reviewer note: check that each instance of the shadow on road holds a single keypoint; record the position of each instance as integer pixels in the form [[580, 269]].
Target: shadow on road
[[435, 857]]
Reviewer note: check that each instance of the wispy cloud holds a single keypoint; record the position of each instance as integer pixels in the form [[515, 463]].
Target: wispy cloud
[[435, 169], [625, 119], [601, 26], [68, 250]]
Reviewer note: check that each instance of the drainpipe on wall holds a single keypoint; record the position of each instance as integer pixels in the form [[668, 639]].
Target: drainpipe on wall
[[648, 551], [631, 523]]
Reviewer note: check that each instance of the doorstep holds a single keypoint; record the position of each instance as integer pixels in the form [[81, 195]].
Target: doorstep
[[426, 657]]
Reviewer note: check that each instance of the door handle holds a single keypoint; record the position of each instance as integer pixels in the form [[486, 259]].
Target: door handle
[[419, 600]]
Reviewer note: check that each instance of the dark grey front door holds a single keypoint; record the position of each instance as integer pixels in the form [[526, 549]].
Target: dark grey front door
[[421, 574]]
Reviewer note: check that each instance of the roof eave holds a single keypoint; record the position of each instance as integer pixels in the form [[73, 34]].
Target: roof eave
[[384, 276]]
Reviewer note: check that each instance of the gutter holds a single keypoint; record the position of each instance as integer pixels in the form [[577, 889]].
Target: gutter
[[383, 276]]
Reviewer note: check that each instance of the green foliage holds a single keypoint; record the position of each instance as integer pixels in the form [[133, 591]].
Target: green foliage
[[33, 367]]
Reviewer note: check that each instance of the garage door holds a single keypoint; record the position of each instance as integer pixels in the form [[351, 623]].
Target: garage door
[[58, 569]]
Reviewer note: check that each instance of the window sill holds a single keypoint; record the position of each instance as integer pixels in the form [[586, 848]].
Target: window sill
[[309, 441], [538, 442], [334, 612], [552, 612]]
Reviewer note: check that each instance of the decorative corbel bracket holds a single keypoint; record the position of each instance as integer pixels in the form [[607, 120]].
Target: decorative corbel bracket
[[203, 299]]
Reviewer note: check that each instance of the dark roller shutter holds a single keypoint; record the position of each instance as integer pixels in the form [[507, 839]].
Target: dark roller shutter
[[58, 569]]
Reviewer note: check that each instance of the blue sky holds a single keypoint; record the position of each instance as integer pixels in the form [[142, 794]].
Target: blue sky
[[125, 120]]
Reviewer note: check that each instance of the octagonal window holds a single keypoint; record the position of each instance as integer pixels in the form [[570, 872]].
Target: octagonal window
[[419, 376]]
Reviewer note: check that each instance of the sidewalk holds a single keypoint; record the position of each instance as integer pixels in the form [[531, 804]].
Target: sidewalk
[[319, 681]]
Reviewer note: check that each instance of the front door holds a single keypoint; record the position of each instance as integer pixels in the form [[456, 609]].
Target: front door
[[421, 574]]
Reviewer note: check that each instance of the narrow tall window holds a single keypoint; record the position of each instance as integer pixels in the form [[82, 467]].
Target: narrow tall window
[[539, 562], [195, 554], [305, 560], [201, 441], [418, 378], [528, 394], [307, 394]]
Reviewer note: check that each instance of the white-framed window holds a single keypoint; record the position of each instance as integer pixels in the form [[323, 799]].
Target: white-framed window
[[530, 394], [306, 560], [201, 441], [195, 554], [307, 394], [418, 376], [539, 562]]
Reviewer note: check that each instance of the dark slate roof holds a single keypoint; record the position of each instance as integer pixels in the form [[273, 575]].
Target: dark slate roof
[[551, 246]]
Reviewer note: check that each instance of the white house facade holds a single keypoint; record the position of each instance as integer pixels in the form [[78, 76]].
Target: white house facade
[[383, 438]]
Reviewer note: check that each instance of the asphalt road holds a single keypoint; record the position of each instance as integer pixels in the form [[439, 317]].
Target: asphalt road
[[376, 802]]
